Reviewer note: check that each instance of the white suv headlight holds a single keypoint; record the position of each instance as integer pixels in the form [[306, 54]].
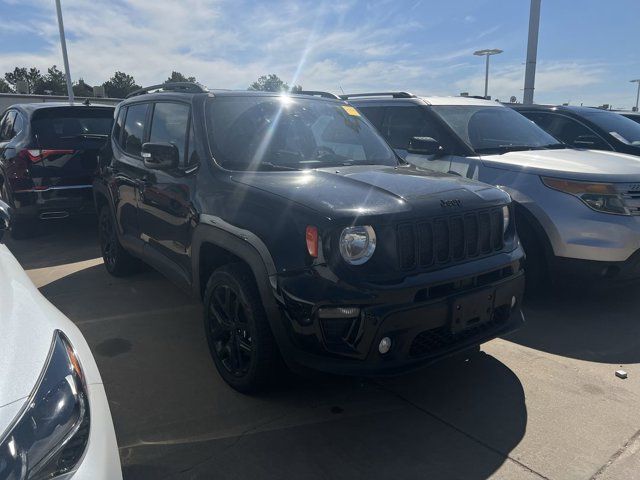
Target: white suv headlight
[[357, 244], [50, 435], [602, 197]]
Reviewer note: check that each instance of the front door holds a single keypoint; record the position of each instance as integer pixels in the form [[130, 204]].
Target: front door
[[165, 196]]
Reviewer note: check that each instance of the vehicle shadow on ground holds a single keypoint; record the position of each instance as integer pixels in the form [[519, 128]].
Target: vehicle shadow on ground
[[597, 323], [58, 242], [175, 418]]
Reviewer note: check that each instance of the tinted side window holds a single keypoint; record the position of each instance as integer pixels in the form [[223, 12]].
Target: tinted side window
[[169, 125], [134, 128], [6, 132], [402, 123], [566, 129], [117, 127], [375, 115], [18, 124]]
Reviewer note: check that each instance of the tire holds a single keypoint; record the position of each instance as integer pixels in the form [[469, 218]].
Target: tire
[[536, 268], [19, 229], [117, 260], [238, 333]]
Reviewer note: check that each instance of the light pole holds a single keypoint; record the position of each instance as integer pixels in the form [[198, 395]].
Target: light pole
[[637, 80], [63, 45], [487, 53], [532, 52]]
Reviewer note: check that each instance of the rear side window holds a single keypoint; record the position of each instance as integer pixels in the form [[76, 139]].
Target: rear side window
[[117, 128], [169, 125], [66, 127], [6, 127], [133, 133]]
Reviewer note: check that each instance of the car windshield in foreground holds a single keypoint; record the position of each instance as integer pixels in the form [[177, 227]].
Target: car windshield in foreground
[[622, 128], [490, 129], [64, 127], [291, 133]]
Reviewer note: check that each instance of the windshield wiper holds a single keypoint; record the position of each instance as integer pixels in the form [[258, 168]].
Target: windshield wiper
[[248, 167], [97, 136], [505, 148], [555, 145]]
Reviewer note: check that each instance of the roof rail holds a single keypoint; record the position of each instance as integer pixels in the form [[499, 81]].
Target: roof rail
[[318, 93], [182, 87], [379, 94]]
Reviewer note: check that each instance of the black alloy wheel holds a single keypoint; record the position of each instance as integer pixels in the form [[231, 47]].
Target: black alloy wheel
[[229, 330], [240, 340]]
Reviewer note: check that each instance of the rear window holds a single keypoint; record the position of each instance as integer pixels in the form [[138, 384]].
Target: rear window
[[66, 127]]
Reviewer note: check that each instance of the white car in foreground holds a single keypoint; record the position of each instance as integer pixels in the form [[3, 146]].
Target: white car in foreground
[[54, 415]]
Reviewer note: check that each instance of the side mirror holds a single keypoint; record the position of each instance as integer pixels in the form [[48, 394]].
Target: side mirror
[[5, 218], [425, 146], [588, 141], [160, 156]]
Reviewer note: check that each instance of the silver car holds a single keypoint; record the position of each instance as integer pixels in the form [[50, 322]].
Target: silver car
[[576, 210]]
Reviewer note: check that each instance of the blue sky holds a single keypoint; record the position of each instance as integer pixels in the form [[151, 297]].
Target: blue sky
[[588, 49]]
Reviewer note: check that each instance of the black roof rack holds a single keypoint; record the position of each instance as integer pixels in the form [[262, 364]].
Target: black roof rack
[[318, 93], [379, 94], [182, 87]]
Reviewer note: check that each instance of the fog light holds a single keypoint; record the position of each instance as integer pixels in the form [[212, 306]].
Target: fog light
[[385, 345], [338, 312], [513, 302]]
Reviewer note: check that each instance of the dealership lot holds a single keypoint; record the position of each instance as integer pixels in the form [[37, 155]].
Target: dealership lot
[[543, 403]]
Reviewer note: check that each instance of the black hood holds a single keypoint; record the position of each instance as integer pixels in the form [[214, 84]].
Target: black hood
[[368, 190]]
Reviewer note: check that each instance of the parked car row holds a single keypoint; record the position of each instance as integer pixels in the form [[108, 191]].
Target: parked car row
[[363, 235]]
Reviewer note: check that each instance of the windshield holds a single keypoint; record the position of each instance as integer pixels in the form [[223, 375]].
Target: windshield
[[281, 132], [69, 127], [620, 127], [494, 129]]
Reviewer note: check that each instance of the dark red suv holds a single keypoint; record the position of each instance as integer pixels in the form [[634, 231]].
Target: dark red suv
[[48, 157]]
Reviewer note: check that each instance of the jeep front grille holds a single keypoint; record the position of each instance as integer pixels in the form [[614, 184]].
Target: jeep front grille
[[449, 239]]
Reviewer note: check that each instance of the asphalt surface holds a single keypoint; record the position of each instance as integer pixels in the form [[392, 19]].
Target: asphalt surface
[[543, 403]]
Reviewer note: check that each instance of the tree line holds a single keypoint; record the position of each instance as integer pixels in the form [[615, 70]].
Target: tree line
[[54, 82]]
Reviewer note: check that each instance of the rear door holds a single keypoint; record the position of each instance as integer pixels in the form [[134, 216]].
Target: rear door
[[127, 169], [165, 196], [65, 144]]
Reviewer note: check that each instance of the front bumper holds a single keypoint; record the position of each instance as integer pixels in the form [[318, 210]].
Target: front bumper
[[101, 460], [594, 269], [424, 324]]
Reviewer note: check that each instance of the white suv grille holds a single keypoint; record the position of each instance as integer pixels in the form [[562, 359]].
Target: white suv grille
[[630, 192]]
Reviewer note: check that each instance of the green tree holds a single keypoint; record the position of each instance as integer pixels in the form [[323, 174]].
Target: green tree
[[53, 83], [120, 85], [82, 89], [178, 77], [272, 83], [32, 77], [4, 86]]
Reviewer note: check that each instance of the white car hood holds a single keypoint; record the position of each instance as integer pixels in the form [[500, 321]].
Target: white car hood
[[570, 163], [27, 323]]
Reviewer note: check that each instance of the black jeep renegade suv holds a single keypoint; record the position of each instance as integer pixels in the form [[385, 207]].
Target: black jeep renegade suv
[[304, 234]]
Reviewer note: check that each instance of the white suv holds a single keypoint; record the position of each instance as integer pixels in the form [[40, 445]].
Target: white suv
[[576, 210]]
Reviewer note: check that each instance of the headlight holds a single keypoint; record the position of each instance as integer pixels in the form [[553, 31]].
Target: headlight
[[357, 244], [50, 434], [506, 218], [603, 197]]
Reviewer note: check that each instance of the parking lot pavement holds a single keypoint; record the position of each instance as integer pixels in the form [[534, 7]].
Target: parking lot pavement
[[543, 403]]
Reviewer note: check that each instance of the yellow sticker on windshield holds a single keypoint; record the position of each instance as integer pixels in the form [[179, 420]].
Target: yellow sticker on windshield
[[351, 111]]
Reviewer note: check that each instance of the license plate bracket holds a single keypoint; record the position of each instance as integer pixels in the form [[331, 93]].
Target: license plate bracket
[[472, 310]]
